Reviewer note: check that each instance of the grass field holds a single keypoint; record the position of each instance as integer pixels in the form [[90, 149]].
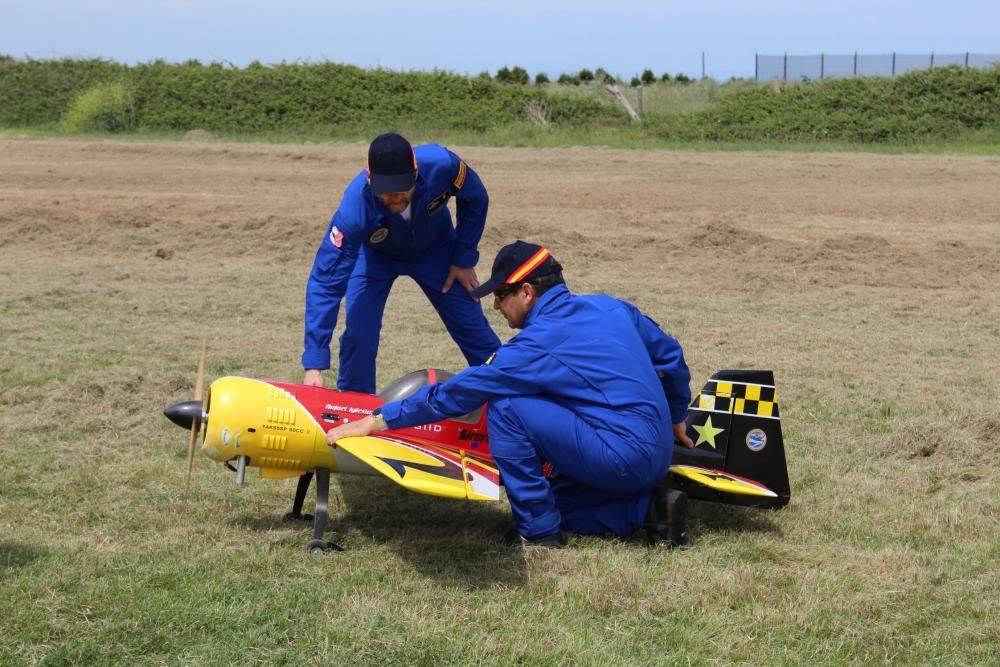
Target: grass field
[[867, 282]]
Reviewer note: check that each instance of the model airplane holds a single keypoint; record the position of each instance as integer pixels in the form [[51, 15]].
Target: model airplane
[[281, 428]]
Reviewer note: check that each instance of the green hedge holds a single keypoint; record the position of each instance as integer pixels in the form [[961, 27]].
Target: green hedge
[[38, 92], [938, 104], [323, 97], [336, 100]]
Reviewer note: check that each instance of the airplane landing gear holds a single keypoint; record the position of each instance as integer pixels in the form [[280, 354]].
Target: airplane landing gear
[[300, 497], [321, 547], [318, 545]]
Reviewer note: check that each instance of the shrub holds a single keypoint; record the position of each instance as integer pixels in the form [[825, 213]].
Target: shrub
[[682, 78], [635, 82], [104, 107], [648, 77], [541, 78], [517, 75], [569, 79], [586, 76], [665, 78]]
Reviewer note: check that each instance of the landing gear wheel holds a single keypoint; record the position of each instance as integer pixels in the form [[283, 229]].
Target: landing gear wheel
[[320, 547]]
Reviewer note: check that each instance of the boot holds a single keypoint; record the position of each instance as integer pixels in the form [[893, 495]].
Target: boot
[[667, 518], [514, 539]]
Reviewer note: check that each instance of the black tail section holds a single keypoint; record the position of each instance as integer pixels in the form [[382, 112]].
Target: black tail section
[[739, 456]]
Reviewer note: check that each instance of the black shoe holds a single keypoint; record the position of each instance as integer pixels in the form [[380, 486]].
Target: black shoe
[[677, 506], [514, 539], [667, 517]]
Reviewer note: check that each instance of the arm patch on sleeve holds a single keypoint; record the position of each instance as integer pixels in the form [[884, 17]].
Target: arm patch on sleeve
[[336, 237], [460, 179]]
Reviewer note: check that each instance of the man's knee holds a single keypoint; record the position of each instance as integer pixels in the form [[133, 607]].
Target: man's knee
[[502, 419], [360, 340], [509, 437]]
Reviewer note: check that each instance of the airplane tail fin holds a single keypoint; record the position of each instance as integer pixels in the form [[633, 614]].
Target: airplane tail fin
[[739, 455]]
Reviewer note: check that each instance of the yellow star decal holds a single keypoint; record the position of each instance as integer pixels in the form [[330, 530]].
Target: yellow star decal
[[707, 432]]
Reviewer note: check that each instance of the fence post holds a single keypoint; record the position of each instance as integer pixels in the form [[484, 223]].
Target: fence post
[[855, 63], [756, 66], [784, 68], [822, 66], [894, 63], [703, 64], [966, 60], [932, 61]]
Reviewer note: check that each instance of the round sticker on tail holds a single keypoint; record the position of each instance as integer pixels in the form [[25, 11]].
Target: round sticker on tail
[[756, 440]]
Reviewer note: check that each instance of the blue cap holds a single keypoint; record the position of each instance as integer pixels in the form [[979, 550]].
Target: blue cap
[[392, 167], [516, 263]]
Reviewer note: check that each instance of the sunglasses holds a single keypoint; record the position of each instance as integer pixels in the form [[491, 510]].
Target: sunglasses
[[505, 291]]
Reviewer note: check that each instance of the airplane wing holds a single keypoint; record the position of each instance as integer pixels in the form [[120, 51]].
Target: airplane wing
[[723, 481], [424, 468]]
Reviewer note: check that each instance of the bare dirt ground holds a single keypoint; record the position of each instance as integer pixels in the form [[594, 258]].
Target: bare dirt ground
[[868, 283], [745, 256]]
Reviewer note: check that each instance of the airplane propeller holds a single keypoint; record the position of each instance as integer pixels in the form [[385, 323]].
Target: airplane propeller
[[196, 422]]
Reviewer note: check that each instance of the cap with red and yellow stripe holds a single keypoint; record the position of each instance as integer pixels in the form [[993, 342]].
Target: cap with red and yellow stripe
[[518, 262]]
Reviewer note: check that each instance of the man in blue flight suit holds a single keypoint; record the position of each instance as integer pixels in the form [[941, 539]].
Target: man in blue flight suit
[[394, 220], [585, 405]]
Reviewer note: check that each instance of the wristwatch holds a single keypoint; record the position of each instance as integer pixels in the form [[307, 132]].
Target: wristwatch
[[380, 424]]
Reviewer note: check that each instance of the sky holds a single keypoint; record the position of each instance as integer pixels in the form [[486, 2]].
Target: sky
[[624, 37]]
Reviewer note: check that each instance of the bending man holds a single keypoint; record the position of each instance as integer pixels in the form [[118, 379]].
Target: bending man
[[394, 220]]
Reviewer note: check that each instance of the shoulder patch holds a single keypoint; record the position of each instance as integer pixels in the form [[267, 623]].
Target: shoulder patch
[[460, 179], [379, 235]]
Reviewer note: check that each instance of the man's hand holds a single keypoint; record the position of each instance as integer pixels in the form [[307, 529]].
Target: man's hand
[[313, 378], [361, 427], [681, 436], [466, 278]]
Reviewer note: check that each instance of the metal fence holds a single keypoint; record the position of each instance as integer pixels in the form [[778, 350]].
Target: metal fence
[[827, 66]]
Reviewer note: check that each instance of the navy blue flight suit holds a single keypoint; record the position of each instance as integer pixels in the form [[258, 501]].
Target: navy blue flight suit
[[366, 247], [592, 386]]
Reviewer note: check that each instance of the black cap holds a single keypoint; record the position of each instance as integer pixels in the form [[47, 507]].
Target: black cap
[[392, 167], [516, 263]]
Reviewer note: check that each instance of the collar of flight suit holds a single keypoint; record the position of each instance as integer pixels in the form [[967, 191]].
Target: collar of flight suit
[[546, 302]]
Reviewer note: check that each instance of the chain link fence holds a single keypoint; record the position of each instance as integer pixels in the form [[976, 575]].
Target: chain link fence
[[831, 66]]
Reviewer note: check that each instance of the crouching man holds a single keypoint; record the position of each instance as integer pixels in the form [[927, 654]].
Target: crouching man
[[585, 404]]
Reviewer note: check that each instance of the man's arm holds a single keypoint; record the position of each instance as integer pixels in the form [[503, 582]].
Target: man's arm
[[668, 360], [471, 205], [327, 283], [514, 371]]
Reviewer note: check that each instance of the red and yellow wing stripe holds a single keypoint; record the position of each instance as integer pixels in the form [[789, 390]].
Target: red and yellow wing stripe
[[425, 468]]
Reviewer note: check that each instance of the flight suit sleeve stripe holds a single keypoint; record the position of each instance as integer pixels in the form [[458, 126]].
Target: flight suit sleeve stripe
[[460, 179]]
